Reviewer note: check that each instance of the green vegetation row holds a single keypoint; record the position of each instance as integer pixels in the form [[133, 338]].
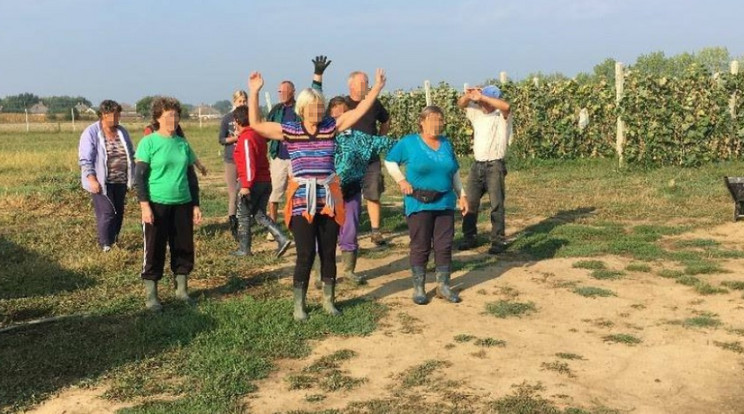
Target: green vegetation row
[[683, 120]]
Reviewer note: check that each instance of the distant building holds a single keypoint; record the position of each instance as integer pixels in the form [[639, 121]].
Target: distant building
[[129, 111], [84, 109], [38, 109]]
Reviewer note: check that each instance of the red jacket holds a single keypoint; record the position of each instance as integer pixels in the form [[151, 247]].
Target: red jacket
[[250, 158]]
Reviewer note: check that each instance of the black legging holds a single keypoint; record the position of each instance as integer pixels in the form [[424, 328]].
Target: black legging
[[431, 230], [323, 231]]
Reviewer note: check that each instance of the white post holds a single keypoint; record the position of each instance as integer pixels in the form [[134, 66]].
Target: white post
[[200, 117], [620, 136], [427, 91], [502, 77], [583, 119], [267, 96], [72, 114], [27, 126], [536, 81], [465, 87], [732, 102]]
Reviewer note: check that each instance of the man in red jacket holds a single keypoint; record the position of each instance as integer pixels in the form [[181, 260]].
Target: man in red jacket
[[254, 179]]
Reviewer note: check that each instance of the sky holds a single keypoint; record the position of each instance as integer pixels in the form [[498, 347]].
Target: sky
[[201, 51]]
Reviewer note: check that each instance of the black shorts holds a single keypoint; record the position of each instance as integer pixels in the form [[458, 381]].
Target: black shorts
[[373, 184]]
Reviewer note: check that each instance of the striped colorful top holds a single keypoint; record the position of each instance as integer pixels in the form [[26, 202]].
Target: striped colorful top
[[311, 156]]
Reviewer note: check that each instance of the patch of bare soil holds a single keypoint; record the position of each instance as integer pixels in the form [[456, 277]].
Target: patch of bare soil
[[674, 368]]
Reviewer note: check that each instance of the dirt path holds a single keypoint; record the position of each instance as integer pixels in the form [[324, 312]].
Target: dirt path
[[674, 369]]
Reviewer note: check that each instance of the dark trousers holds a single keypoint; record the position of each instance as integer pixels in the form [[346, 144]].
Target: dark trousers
[[174, 228], [109, 211], [486, 177], [253, 206], [323, 231], [431, 229]]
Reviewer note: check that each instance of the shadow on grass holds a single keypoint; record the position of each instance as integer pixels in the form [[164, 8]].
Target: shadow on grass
[[38, 360], [532, 243], [25, 274]]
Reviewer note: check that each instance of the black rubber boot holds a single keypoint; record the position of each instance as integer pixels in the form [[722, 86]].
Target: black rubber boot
[[234, 227], [348, 262], [443, 290], [300, 312], [329, 299], [282, 241], [418, 274], [244, 240]]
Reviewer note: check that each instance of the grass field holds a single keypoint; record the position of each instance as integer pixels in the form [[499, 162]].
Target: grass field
[[209, 358]]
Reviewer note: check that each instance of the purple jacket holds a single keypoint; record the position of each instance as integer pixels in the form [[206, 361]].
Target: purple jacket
[[92, 155]]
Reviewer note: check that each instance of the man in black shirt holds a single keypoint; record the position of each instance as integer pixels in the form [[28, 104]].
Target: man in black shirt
[[373, 185]]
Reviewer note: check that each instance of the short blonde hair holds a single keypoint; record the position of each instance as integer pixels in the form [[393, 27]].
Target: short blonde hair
[[239, 94], [306, 97]]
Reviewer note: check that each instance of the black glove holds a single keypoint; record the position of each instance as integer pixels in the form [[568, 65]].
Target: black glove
[[321, 63]]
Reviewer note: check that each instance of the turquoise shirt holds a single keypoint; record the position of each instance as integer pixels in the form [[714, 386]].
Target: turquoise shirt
[[426, 169]]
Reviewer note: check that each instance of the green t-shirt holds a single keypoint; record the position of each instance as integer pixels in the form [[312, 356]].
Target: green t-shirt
[[169, 159]]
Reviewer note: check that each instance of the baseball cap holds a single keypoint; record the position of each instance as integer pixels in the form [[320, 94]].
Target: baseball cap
[[491, 91]]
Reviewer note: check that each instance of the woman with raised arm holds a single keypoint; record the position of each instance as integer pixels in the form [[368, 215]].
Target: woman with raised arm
[[315, 207]]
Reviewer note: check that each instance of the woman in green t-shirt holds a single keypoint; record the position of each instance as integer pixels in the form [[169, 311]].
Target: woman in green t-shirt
[[168, 193]]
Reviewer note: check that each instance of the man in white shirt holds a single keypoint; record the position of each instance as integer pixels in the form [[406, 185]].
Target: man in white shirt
[[489, 116]]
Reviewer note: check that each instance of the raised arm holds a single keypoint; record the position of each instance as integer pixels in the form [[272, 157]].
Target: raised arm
[[320, 63], [349, 118], [497, 103], [271, 130], [465, 99]]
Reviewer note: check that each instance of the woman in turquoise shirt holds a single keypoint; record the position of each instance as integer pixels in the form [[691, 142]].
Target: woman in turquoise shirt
[[431, 185]]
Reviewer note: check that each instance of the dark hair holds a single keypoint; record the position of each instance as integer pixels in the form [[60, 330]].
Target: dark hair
[[334, 102], [161, 104], [288, 83], [108, 107], [240, 114], [431, 109]]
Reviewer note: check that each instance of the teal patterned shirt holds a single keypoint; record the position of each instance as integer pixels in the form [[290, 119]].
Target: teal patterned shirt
[[354, 149]]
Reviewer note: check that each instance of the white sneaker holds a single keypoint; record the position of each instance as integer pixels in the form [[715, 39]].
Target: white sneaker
[[269, 237], [106, 249]]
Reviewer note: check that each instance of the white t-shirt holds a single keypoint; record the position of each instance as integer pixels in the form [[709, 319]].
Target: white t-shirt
[[491, 133]]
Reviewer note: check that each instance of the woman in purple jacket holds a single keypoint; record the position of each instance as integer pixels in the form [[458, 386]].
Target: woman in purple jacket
[[106, 159]]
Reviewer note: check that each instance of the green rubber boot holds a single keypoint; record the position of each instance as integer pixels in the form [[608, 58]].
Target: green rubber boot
[[182, 288], [329, 298], [348, 263], [418, 274], [151, 294], [300, 312], [443, 290], [315, 274]]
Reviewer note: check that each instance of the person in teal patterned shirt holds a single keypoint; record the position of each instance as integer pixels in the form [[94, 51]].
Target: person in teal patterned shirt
[[354, 149]]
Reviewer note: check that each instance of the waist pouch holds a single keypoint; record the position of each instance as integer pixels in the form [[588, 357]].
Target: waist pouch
[[427, 196]]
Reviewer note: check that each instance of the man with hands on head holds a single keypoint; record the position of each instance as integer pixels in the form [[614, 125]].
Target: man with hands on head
[[490, 118]]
